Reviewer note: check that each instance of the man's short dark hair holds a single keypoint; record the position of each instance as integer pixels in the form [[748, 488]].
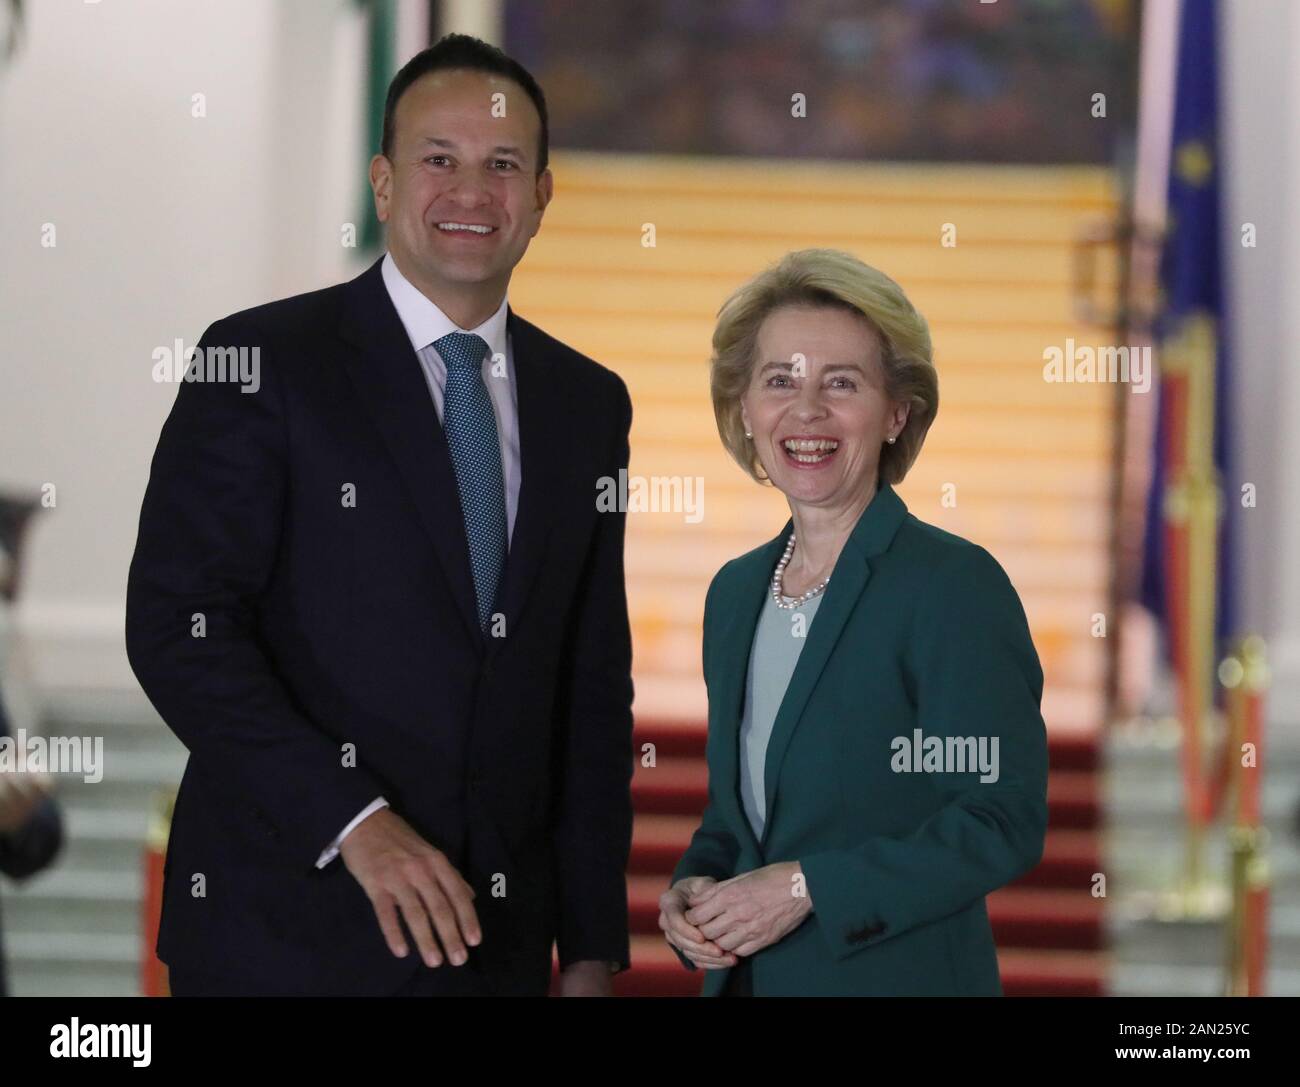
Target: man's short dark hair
[[460, 51]]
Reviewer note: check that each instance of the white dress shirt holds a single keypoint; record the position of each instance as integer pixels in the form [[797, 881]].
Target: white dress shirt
[[424, 323]]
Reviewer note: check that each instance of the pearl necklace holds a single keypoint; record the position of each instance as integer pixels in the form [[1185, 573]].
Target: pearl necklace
[[778, 593]]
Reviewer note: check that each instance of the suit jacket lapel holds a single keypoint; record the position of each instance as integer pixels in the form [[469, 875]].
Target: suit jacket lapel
[[543, 451], [871, 535], [734, 642], [386, 374]]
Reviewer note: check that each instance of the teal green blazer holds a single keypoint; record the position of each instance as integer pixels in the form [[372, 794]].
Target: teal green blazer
[[919, 629]]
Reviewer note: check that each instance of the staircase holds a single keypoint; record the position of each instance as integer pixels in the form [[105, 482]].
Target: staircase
[[75, 929], [1027, 459]]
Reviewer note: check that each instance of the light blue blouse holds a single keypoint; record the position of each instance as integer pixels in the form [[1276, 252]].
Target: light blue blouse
[[778, 640]]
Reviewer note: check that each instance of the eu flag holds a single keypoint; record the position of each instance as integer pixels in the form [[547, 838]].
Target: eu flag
[[1192, 325]]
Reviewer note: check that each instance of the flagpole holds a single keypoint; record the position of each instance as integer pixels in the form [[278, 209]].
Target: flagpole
[[1136, 415], [1191, 504]]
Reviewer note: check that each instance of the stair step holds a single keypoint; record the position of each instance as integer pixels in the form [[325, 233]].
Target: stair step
[[679, 786], [75, 885], [1070, 857], [679, 695], [1020, 917], [1053, 973], [29, 948], [688, 738], [87, 978]]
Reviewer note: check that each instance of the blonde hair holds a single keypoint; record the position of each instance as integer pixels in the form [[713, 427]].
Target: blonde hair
[[826, 277]]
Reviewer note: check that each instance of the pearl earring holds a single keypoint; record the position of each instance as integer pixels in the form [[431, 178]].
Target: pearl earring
[[892, 440], [748, 434]]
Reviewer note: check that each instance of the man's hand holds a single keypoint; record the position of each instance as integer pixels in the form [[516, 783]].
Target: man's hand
[[683, 935], [399, 870], [21, 793], [587, 978], [749, 912]]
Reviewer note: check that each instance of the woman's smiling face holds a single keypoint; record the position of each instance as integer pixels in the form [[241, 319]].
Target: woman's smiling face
[[816, 405]]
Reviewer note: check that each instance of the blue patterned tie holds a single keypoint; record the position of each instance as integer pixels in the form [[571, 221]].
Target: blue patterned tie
[[471, 427]]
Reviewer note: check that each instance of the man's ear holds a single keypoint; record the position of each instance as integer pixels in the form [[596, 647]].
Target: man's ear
[[543, 192], [381, 183]]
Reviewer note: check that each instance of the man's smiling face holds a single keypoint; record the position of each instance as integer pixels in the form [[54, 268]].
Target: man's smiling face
[[461, 196]]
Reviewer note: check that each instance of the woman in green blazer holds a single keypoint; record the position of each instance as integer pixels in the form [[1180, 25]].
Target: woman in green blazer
[[877, 756]]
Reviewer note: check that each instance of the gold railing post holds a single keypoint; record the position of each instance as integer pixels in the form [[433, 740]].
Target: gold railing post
[[1244, 675]]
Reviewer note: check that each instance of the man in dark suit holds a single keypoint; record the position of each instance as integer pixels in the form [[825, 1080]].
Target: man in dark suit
[[373, 596], [31, 829]]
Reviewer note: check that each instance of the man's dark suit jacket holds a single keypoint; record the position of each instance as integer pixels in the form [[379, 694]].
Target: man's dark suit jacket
[[340, 633], [31, 847]]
